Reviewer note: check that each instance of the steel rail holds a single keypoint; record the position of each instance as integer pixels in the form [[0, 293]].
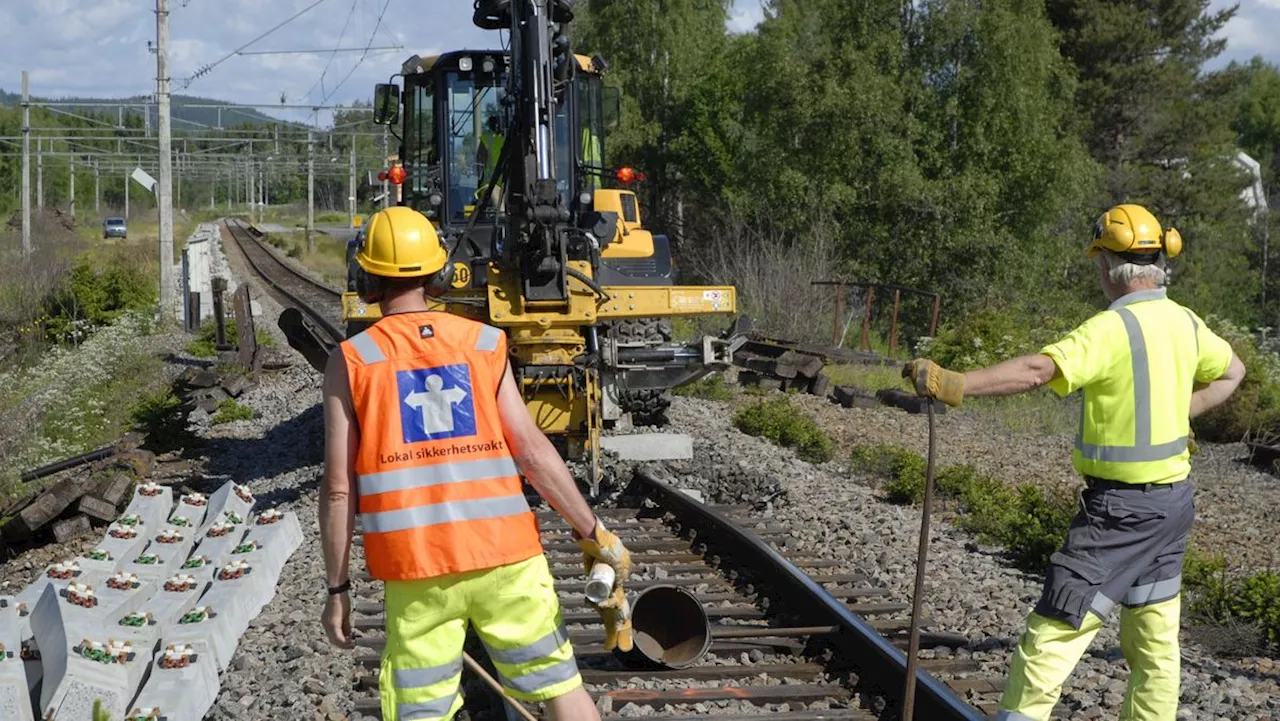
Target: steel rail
[[881, 665], [238, 230]]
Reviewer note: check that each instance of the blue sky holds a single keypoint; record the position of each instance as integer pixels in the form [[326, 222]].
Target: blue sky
[[99, 47]]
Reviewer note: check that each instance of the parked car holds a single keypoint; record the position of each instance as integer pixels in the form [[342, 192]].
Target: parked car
[[114, 228]]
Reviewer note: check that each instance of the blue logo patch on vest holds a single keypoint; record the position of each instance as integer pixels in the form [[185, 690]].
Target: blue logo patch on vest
[[436, 403]]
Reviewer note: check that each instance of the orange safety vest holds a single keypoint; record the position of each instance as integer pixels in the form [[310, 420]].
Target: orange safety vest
[[439, 491]]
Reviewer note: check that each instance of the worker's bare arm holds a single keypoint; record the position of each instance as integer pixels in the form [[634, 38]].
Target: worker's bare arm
[[337, 496], [1017, 375], [1213, 394], [539, 461]]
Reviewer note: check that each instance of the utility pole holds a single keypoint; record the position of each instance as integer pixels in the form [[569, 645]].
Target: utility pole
[[72, 164], [311, 193], [26, 164], [126, 196], [166, 167], [97, 190], [351, 202], [40, 173]]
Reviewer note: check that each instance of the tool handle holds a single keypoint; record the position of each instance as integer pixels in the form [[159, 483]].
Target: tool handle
[[497, 687], [917, 598]]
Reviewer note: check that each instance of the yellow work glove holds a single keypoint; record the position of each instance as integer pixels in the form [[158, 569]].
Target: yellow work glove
[[603, 546], [614, 611], [1192, 447], [934, 381]]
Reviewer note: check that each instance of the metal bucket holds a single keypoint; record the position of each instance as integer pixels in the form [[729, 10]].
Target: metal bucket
[[669, 628]]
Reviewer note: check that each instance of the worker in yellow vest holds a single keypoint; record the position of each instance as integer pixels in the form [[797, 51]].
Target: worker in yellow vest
[[426, 439], [1145, 367], [490, 147]]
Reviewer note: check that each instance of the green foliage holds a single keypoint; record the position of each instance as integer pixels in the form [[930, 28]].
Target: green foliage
[[1255, 405], [904, 468], [993, 334], [711, 388], [99, 288], [1217, 596], [229, 411], [787, 426], [161, 416], [1030, 523], [204, 345]]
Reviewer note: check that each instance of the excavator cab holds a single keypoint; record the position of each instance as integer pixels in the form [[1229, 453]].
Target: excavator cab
[[561, 261]]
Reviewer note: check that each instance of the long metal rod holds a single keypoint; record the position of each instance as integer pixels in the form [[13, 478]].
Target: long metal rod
[[917, 598]]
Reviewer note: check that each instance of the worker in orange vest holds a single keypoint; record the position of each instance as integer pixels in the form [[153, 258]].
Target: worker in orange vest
[[426, 438]]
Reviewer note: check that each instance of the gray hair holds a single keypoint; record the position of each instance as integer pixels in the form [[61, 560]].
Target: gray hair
[[1123, 273]]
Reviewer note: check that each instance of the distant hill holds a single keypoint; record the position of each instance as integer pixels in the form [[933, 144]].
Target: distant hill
[[204, 116]]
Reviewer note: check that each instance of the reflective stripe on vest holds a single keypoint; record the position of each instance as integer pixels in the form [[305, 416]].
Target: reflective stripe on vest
[[1142, 450], [439, 492]]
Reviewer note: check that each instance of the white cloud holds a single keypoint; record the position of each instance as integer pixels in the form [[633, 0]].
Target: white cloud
[[1250, 32], [746, 14], [99, 47]]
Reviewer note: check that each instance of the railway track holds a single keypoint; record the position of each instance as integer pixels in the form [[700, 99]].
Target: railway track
[[798, 637], [320, 304]]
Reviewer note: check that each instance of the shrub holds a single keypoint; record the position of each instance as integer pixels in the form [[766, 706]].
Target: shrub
[[1218, 597], [783, 424], [97, 291], [996, 333], [204, 345], [164, 420], [904, 468], [1028, 522], [711, 388], [1255, 406], [229, 411]]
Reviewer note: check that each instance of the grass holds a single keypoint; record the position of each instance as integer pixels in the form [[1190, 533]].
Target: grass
[[1222, 597], [328, 259], [1027, 521], [710, 388], [77, 398], [784, 424], [204, 345], [229, 411]]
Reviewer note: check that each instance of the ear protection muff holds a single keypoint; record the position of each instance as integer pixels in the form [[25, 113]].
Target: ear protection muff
[[440, 281]]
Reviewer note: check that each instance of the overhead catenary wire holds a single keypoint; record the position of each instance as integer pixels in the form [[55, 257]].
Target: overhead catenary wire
[[204, 69], [329, 63], [372, 36]]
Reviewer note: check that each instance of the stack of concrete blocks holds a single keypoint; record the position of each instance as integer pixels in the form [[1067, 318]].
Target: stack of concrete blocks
[[86, 656], [202, 261], [152, 502], [275, 536], [186, 583], [182, 686], [15, 700], [164, 554]]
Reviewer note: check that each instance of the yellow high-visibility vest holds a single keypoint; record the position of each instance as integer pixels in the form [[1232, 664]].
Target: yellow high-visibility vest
[[1135, 364]]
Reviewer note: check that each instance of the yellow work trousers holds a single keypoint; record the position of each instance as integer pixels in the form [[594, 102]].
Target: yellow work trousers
[[1050, 649], [516, 614]]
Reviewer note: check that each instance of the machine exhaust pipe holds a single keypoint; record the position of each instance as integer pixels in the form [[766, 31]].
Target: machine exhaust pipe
[[669, 628]]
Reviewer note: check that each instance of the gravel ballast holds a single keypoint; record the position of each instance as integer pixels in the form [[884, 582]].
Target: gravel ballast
[[284, 667]]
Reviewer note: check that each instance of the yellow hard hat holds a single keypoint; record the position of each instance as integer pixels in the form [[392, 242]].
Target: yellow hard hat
[[400, 242], [1133, 231]]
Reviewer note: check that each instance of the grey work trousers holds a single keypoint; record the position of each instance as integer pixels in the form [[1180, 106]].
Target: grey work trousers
[[1125, 545]]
